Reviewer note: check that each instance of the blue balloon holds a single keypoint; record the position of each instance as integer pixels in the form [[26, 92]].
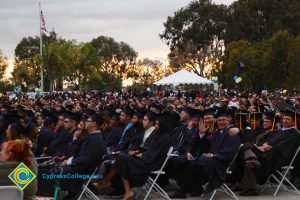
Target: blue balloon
[[235, 77]]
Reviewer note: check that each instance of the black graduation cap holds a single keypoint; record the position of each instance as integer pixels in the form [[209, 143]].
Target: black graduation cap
[[7, 106], [223, 113], [255, 115], [73, 116], [11, 117], [27, 112], [198, 114], [151, 115], [139, 115], [272, 117], [50, 114], [189, 110], [129, 112], [293, 113], [156, 106], [116, 116], [210, 111], [98, 119]]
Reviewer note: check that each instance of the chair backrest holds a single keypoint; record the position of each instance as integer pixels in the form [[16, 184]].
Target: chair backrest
[[11, 193], [228, 170], [294, 157], [167, 158]]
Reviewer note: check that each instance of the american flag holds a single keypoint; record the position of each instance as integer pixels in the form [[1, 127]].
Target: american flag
[[43, 25]]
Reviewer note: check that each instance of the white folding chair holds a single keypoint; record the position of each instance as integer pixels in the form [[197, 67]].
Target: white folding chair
[[11, 193], [224, 187], [281, 177], [86, 191], [151, 183]]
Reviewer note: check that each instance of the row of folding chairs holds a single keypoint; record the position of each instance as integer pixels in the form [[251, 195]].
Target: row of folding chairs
[[151, 185]]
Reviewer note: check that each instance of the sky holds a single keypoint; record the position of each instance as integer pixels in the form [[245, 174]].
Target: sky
[[136, 22]]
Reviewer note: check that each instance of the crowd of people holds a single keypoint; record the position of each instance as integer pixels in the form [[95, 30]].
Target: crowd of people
[[130, 133]]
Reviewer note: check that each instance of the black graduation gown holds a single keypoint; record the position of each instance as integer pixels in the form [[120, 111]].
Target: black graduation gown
[[194, 145], [284, 145], [181, 134], [62, 138], [136, 170], [125, 139], [72, 148], [91, 152], [224, 147], [45, 137], [112, 136]]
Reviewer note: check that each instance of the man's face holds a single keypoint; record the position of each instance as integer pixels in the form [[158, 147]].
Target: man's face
[[147, 123], [124, 118], [223, 122], [69, 124], [135, 119], [39, 121], [287, 121], [184, 116], [89, 124]]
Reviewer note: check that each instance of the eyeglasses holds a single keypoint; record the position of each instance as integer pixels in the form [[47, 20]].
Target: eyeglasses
[[67, 121]]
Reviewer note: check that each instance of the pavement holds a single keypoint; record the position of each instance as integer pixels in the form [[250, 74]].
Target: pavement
[[267, 194]]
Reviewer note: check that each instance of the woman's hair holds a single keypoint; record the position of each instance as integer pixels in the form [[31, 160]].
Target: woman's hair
[[106, 116], [20, 150], [165, 127], [17, 131]]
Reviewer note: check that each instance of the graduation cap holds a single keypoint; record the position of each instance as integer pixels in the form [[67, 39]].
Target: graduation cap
[[128, 112], [151, 115], [27, 112], [189, 110], [73, 116], [116, 117], [87, 113], [139, 115], [209, 111], [242, 116], [50, 114], [98, 119], [156, 106], [272, 117], [223, 113], [197, 114], [293, 113]]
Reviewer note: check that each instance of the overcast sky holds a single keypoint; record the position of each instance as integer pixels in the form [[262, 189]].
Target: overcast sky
[[136, 22]]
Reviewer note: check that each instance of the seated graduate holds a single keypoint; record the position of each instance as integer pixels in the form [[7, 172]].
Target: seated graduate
[[13, 153], [134, 170], [91, 153], [262, 161], [141, 141], [67, 124], [210, 167]]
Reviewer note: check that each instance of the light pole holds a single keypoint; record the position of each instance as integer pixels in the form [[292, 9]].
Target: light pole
[[165, 61]]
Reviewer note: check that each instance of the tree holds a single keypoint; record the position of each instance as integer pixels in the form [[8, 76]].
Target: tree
[[81, 61], [3, 65], [272, 63], [25, 57], [194, 35], [257, 20], [114, 58]]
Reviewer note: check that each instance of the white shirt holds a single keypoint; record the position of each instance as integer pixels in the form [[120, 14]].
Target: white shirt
[[147, 134]]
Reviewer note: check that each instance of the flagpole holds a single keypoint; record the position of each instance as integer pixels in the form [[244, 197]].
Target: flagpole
[[41, 50]]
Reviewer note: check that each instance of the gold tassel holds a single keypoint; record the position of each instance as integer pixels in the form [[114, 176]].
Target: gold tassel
[[273, 124]]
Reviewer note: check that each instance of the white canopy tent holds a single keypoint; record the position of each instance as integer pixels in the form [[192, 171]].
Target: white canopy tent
[[183, 77]]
